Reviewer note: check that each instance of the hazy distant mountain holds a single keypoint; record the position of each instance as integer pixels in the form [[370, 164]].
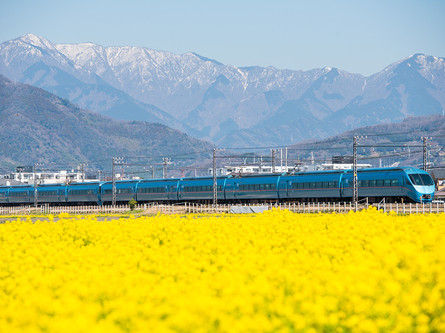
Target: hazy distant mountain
[[385, 144], [37, 126], [229, 105]]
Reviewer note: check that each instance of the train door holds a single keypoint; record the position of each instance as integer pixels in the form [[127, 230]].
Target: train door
[[224, 189], [167, 191], [173, 191], [235, 190], [180, 190], [345, 187]]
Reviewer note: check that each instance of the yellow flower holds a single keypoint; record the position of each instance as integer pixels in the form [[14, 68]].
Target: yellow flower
[[276, 271]]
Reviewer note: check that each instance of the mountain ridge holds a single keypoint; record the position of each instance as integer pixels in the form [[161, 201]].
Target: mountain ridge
[[189, 89]]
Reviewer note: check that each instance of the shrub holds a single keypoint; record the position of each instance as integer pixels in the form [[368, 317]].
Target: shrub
[[132, 203]]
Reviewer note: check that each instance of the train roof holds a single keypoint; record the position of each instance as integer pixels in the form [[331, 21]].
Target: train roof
[[407, 169]]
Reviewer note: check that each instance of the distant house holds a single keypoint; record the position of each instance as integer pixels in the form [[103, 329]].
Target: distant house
[[25, 175]]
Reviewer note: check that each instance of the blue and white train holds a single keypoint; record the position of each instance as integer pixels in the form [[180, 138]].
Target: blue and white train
[[394, 184]]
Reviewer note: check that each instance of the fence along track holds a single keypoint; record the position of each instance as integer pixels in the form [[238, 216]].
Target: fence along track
[[194, 208]]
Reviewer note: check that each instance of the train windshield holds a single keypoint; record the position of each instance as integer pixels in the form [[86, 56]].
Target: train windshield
[[421, 179]]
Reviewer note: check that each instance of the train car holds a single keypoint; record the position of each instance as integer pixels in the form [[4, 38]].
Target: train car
[[83, 193], [393, 184], [157, 190], [125, 191], [200, 189], [21, 194], [252, 188], [420, 187], [54, 193], [4, 191], [310, 185]]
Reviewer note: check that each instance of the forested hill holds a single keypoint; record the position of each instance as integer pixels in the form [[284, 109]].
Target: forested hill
[[39, 127]]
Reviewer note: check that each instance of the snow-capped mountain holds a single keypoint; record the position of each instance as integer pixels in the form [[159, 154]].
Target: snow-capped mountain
[[223, 103]]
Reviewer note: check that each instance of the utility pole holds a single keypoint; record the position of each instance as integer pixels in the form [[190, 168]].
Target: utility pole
[[165, 161], [354, 168], [425, 152], [116, 160], [153, 172], [215, 184], [273, 160], [36, 198], [100, 171], [82, 171], [286, 159]]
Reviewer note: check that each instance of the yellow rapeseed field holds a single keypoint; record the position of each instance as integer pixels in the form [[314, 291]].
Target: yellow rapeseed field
[[271, 272]]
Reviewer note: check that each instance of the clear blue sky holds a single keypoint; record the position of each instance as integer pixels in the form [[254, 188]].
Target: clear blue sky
[[357, 36]]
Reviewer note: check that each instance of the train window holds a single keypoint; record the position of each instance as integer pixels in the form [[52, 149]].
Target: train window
[[267, 187], [319, 184], [415, 179], [82, 192], [313, 185], [261, 187], [364, 183], [372, 183], [18, 194], [394, 182], [379, 182], [427, 180], [421, 179], [48, 193], [273, 186], [387, 182]]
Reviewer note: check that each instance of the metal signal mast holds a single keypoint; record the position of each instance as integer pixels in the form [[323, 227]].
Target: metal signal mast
[[215, 184], [116, 160], [354, 167]]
